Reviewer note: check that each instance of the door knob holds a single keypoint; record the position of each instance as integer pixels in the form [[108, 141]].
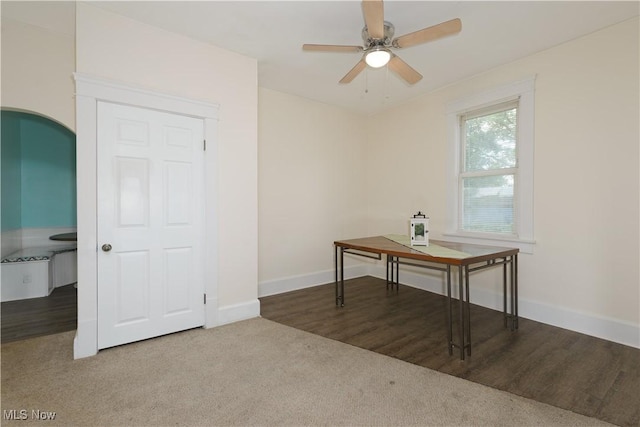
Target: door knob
[[106, 247]]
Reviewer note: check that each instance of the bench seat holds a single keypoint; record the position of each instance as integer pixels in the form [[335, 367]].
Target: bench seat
[[34, 272], [37, 254]]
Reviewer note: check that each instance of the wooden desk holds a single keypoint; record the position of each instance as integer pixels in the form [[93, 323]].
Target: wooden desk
[[467, 258]]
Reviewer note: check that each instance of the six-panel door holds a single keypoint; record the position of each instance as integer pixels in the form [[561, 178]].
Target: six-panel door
[[150, 223]]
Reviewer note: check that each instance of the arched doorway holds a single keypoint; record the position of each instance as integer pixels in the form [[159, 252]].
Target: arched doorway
[[38, 200]]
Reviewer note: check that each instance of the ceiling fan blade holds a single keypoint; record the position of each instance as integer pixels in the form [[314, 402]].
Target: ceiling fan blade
[[403, 69], [331, 48], [354, 72], [373, 11], [428, 34]]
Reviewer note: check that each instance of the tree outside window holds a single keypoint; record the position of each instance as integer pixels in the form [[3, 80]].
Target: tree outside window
[[489, 169]]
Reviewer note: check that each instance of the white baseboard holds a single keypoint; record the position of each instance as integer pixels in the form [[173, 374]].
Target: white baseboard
[[585, 323], [237, 312], [589, 324], [294, 283], [85, 343]]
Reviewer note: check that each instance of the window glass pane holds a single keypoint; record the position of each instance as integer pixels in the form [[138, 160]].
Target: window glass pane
[[488, 204], [490, 141]]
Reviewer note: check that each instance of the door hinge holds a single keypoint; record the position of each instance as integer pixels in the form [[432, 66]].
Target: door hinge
[[204, 145], [205, 299]]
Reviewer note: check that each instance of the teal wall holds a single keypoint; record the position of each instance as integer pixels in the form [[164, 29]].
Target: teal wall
[[47, 170], [11, 171]]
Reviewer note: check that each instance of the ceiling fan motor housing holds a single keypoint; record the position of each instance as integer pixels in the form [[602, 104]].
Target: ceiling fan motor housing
[[389, 31]]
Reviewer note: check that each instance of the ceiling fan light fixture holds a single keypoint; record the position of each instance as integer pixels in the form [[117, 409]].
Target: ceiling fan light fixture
[[378, 57]]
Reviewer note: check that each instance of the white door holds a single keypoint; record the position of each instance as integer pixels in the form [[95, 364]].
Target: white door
[[150, 223]]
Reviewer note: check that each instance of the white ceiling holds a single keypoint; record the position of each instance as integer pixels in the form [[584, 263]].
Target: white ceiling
[[493, 33]]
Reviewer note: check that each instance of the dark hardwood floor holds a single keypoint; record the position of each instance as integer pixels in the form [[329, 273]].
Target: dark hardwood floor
[[36, 317], [562, 368]]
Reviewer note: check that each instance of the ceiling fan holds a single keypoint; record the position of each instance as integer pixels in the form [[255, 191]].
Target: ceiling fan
[[378, 42]]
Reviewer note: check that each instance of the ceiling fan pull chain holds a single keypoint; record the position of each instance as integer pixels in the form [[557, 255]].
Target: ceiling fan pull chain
[[386, 84], [366, 81]]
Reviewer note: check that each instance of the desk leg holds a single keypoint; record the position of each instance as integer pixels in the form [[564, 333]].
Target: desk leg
[[390, 269], [449, 310], [461, 321], [511, 316], [341, 277], [397, 279], [514, 292], [335, 268], [393, 267], [504, 293], [467, 304], [338, 261], [388, 258]]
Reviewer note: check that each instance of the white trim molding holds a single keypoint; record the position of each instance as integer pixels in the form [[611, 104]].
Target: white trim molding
[[294, 283], [237, 312], [90, 90]]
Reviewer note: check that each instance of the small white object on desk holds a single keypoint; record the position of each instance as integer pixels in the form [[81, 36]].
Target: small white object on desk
[[420, 230]]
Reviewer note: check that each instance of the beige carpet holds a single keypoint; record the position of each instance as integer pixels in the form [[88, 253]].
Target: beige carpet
[[255, 372]]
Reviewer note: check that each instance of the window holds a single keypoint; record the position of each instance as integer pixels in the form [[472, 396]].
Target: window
[[491, 167], [488, 169]]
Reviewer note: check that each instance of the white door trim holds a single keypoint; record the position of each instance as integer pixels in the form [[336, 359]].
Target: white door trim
[[89, 90]]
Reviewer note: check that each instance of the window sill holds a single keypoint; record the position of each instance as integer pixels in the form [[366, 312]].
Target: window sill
[[525, 246]]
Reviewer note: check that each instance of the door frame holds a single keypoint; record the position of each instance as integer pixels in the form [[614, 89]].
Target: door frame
[[90, 90]]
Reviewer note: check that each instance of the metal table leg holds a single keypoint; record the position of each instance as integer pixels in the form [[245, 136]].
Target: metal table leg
[[338, 260], [449, 310], [335, 268], [461, 321], [388, 260], [510, 314], [504, 293], [397, 271], [464, 312], [467, 341], [390, 271], [512, 294], [393, 268], [339, 275]]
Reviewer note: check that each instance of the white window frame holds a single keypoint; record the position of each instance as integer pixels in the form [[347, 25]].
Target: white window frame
[[523, 238]]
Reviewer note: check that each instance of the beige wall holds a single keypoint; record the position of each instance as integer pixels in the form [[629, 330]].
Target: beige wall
[[311, 186], [586, 188], [37, 71], [583, 274], [121, 49]]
